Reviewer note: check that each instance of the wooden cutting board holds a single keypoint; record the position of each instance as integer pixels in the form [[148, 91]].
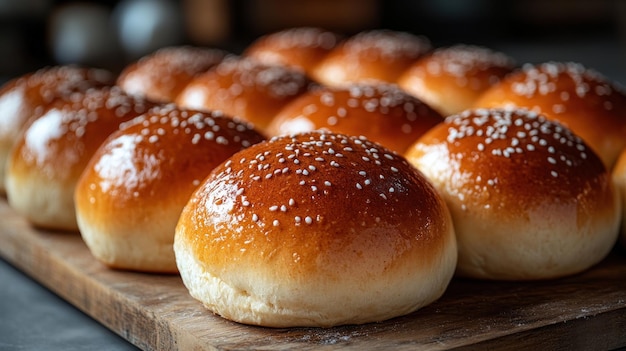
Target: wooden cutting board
[[154, 312]]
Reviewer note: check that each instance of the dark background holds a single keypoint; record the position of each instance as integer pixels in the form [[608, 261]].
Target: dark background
[[110, 34]]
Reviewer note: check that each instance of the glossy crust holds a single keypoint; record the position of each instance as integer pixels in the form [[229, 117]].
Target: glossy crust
[[578, 97], [371, 55], [26, 96], [317, 229], [301, 47], [528, 198], [450, 79], [131, 193], [50, 155], [245, 88], [162, 75], [381, 112]]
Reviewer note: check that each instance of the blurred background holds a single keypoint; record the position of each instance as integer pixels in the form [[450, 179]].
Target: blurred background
[[113, 33]]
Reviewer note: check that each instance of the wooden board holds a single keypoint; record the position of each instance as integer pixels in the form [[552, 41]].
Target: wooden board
[[154, 312]]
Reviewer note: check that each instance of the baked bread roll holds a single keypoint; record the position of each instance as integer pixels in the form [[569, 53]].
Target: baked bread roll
[[26, 96], [316, 229], [162, 75], [245, 88], [130, 195], [580, 98], [370, 55], [381, 112], [48, 158], [529, 199], [301, 47], [450, 79]]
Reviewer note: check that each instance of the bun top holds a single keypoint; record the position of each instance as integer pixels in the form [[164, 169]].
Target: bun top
[[580, 98], [61, 141], [371, 55], [161, 76], [27, 95], [512, 159], [341, 208], [162, 155], [245, 88], [450, 79], [300, 47], [381, 112]]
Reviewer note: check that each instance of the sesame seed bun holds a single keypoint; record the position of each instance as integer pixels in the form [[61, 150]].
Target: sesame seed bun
[[450, 79], [580, 98], [50, 155], [316, 229], [381, 112], [300, 47], [245, 88], [529, 199], [162, 75], [130, 195], [26, 96], [370, 55]]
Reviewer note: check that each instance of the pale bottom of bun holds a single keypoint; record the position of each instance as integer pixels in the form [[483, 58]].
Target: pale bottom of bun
[[122, 242], [281, 302], [524, 250], [44, 203]]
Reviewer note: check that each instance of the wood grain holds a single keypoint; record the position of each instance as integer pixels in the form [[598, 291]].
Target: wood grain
[[155, 312]]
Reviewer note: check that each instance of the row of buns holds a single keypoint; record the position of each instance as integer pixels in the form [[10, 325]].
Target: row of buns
[[319, 180]]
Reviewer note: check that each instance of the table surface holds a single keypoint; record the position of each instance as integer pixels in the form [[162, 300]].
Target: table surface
[[40, 320], [34, 318]]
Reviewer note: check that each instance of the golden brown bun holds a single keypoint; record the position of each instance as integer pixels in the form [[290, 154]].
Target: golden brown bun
[[245, 88], [27, 95], [580, 98], [370, 55], [301, 47], [450, 79], [619, 179], [162, 75], [316, 229], [528, 198], [381, 112], [131, 193], [49, 156]]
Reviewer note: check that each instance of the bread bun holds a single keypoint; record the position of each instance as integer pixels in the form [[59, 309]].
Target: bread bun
[[26, 96], [528, 198], [370, 55], [50, 155], [245, 88], [580, 98], [450, 79], [381, 112], [300, 48], [161, 75], [316, 229], [130, 195]]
